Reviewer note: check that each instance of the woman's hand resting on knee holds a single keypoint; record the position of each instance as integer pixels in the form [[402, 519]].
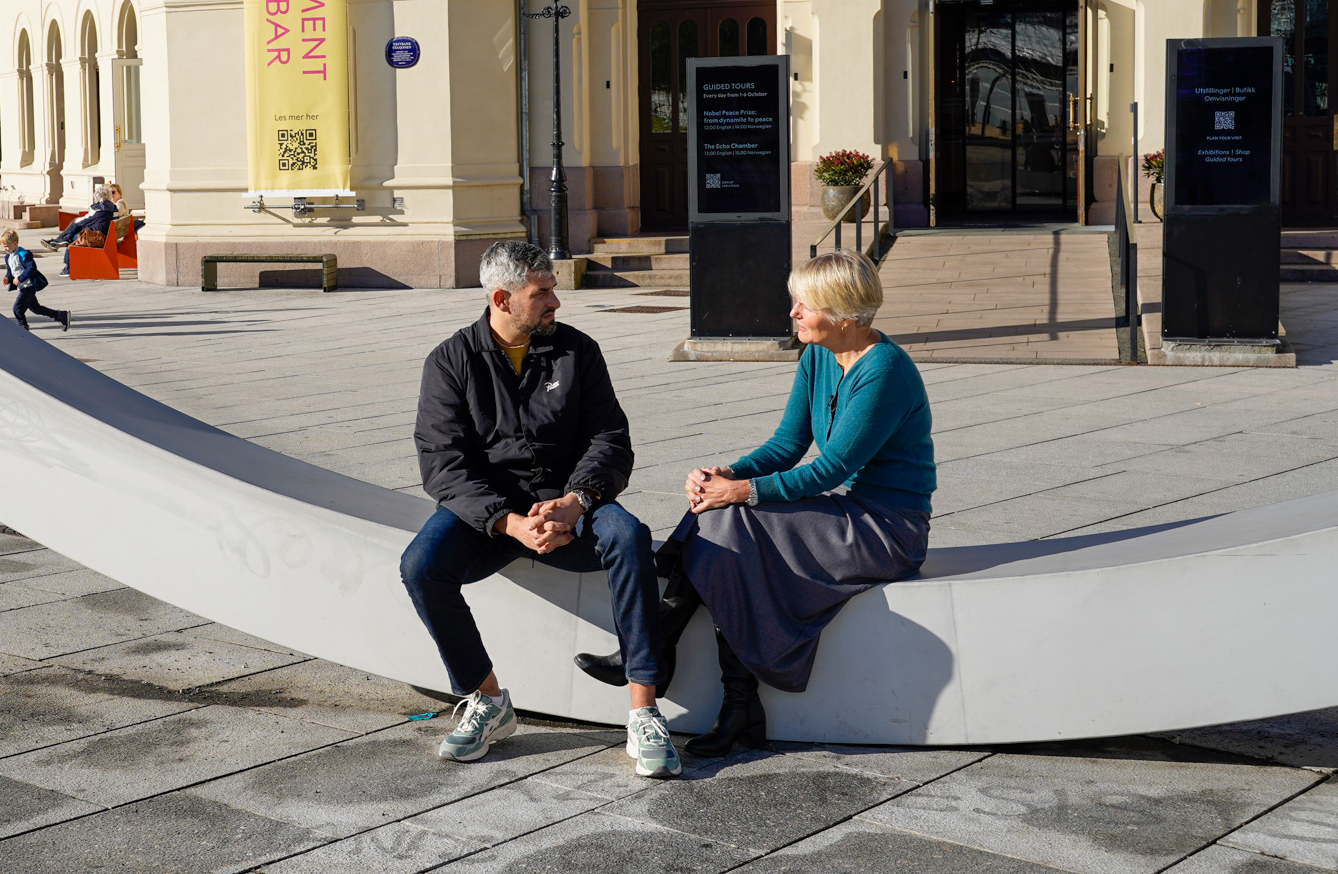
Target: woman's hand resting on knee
[[709, 488]]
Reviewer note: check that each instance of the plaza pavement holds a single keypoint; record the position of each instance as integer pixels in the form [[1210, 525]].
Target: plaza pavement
[[137, 737]]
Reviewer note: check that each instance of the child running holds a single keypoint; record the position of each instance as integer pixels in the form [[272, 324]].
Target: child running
[[22, 275]]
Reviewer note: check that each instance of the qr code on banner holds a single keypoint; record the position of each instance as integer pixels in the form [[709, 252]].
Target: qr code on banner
[[712, 180], [297, 150], [1226, 120]]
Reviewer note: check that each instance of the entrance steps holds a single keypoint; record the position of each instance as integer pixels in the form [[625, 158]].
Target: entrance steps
[[637, 262], [1310, 255]]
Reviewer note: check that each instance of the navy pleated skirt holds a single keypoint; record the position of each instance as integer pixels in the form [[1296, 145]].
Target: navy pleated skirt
[[774, 575]]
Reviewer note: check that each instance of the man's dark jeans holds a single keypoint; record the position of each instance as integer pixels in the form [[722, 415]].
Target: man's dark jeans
[[448, 554]]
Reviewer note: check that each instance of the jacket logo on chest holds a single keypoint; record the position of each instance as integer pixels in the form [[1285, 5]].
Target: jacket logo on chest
[[549, 386]]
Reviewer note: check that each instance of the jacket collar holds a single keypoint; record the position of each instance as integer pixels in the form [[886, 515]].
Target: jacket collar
[[480, 335]]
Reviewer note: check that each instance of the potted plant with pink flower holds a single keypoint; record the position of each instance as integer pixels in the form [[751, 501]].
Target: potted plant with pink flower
[[841, 174]]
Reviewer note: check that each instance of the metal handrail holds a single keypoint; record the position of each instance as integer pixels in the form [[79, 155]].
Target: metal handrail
[[874, 183], [1126, 246]]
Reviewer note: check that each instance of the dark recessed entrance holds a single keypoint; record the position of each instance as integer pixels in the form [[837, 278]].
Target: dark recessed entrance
[[1309, 126], [669, 32], [1008, 110]]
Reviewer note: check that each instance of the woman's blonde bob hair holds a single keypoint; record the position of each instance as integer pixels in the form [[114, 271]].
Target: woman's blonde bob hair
[[841, 285]]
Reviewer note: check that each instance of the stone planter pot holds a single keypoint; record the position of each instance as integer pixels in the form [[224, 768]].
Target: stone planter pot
[[835, 198], [1157, 200]]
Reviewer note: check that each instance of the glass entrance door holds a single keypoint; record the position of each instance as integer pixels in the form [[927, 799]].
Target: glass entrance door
[[1008, 106]]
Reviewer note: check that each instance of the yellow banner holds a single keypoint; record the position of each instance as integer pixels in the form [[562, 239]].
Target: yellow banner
[[297, 97]]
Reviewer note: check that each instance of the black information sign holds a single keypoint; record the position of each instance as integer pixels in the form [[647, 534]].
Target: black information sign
[[1224, 114], [1222, 234], [739, 138], [402, 52]]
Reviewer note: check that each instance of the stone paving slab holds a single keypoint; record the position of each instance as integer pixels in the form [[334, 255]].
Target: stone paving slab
[[10, 664], [390, 775], [171, 834], [52, 705], [25, 564], [175, 661], [133, 763], [74, 583], [507, 812], [861, 847], [16, 595], [760, 801], [1096, 816], [598, 843], [318, 691], [24, 807], [67, 626], [1304, 830], [397, 848], [1225, 860]]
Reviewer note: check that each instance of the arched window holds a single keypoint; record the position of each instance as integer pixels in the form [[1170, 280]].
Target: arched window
[[728, 37], [28, 134], [128, 86], [757, 37], [88, 86], [55, 97]]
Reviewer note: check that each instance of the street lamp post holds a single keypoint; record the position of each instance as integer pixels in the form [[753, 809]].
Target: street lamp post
[[557, 192]]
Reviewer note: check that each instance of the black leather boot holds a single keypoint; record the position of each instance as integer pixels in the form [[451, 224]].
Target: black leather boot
[[677, 605], [742, 719]]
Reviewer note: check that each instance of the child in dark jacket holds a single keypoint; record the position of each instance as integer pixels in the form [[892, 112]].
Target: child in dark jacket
[[22, 275]]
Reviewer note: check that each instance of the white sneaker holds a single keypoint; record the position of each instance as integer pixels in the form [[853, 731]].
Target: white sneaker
[[648, 742], [486, 721]]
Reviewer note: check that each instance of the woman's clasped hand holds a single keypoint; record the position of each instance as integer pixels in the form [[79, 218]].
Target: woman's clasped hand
[[710, 488]]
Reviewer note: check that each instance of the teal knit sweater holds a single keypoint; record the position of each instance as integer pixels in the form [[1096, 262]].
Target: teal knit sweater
[[872, 428]]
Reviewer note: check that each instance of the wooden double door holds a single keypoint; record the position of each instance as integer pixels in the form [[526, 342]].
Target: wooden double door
[[1309, 29], [669, 33]]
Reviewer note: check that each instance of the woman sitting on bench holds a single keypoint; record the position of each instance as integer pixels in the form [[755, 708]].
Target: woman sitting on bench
[[774, 547], [93, 228]]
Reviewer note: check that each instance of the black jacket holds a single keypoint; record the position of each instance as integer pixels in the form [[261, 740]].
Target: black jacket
[[491, 442], [99, 217]]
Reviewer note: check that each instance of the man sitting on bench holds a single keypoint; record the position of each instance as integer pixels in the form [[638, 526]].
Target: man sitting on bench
[[89, 230]]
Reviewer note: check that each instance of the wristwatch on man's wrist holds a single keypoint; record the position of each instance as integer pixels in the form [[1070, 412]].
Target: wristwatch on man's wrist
[[585, 498]]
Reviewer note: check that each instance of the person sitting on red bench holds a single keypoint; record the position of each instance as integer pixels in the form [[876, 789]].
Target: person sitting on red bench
[[89, 231]]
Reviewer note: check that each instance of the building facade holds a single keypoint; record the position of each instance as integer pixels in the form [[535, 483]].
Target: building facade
[[994, 110]]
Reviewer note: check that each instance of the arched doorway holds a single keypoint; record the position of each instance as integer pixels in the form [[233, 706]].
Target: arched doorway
[[670, 32], [89, 89], [126, 109], [55, 114]]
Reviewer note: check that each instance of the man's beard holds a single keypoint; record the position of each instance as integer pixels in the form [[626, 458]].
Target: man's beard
[[542, 328]]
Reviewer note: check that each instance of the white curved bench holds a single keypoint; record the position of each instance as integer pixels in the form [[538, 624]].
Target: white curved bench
[[1217, 620]]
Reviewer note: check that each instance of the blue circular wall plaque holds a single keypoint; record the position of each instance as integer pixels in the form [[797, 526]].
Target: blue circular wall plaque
[[402, 51]]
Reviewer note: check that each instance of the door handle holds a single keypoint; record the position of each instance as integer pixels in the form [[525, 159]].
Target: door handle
[[1073, 111], [118, 138]]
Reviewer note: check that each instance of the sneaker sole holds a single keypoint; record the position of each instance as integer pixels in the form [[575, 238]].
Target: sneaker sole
[[504, 731], [658, 773]]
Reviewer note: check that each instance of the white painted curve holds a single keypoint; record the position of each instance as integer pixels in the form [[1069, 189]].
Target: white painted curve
[[1216, 620]]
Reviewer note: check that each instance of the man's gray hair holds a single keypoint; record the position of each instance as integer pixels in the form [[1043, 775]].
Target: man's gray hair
[[102, 193], [508, 264]]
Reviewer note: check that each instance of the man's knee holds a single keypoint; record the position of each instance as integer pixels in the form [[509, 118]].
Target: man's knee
[[421, 559], [619, 530]]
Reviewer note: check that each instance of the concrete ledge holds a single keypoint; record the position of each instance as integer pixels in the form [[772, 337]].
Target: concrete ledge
[[736, 349], [570, 273], [1205, 622], [1172, 352]]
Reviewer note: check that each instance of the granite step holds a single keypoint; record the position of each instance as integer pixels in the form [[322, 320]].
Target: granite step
[[1310, 238], [647, 245], [1308, 273], [636, 279], [605, 262]]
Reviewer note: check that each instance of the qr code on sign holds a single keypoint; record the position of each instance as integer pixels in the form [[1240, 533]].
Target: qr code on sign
[[1226, 120], [712, 180], [297, 150]]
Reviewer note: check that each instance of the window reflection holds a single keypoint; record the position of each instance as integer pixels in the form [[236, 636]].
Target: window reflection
[[1316, 86], [687, 48], [661, 108], [1283, 23], [729, 38]]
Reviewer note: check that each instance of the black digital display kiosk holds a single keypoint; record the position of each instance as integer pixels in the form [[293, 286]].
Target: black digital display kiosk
[[1222, 233], [739, 207]]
